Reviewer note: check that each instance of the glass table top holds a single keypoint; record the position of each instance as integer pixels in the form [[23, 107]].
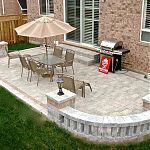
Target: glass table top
[[47, 59]]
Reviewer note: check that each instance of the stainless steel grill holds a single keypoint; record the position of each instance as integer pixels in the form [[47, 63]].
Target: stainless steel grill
[[111, 44], [114, 49]]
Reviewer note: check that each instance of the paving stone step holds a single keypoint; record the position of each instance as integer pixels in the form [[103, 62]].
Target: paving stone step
[[81, 51], [82, 55], [84, 60]]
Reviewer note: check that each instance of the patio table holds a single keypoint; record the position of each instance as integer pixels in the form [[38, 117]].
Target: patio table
[[49, 60]]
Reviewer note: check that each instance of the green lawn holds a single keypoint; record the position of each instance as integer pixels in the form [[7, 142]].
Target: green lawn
[[20, 46], [22, 128]]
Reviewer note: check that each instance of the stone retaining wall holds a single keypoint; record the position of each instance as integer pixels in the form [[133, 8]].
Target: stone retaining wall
[[102, 128]]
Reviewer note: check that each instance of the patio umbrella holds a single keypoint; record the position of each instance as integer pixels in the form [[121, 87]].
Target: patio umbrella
[[44, 27]]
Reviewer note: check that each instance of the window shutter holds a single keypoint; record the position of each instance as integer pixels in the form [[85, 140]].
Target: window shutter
[[147, 20], [86, 30], [91, 22], [96, 21], [87, 25]]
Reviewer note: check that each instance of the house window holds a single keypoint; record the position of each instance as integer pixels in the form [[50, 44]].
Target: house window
[[145, 31], [84, 15], [46, 7]]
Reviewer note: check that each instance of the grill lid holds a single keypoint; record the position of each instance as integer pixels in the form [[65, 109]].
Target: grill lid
[[111, 44]]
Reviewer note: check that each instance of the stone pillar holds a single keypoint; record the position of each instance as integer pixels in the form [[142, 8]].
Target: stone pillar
[[3, 48], [56, 102], [146, 102]]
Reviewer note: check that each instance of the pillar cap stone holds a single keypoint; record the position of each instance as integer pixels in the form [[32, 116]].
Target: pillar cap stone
[[60, 99], [146, 98]]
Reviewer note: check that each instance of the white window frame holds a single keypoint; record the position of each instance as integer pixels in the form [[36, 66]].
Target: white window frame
[[47, 9], [64, 11], [144, 8]]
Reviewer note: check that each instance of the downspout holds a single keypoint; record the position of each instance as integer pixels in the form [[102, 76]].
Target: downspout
[[3, 8]]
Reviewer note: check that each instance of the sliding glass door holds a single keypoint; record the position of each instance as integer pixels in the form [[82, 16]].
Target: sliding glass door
[[84, 15], [73, 18]]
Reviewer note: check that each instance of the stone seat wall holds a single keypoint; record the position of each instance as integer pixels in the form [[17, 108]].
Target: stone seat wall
[[104, 128], [94, 127]]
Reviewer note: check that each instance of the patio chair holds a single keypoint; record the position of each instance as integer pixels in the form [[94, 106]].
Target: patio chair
[[12, 55], [58, 51], [40, 71], [74, 85], [25, 64], [69, 58]]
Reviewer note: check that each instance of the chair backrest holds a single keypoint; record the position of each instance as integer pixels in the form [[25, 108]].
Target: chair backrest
[[69, 57], [24, 62], [69, 83], [33, 65], [58, 51]]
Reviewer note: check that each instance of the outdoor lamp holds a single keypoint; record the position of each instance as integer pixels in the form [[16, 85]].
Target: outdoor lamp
[[60, 82]]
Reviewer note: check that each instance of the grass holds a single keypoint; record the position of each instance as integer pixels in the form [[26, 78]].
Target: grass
[[20, 46], [22, 128]]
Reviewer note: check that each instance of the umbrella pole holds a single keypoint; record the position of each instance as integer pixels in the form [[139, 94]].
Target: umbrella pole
[[46, 51], [46, 47]]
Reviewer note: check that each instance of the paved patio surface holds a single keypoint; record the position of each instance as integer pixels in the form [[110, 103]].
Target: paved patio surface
[[113, 94]]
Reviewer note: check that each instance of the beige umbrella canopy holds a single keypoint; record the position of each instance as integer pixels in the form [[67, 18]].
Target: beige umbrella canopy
[[44, 27]]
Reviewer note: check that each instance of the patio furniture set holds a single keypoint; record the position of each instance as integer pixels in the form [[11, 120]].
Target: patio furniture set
[[44, 65]]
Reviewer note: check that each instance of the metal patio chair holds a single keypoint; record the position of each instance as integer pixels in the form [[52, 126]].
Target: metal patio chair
[[12, 55], [74, 85], [58, 51], [40, 71], [69, 59], [25, 65]]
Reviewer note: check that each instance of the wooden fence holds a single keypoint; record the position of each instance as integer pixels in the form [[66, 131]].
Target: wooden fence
[[7, 26]]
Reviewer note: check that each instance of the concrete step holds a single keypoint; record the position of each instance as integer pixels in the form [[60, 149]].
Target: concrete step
[[84, 60], [83, 56], [81, 51]]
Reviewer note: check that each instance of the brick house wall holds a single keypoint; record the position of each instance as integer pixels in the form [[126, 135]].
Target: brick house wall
[[122, 20], [11, 7], [118, 19]]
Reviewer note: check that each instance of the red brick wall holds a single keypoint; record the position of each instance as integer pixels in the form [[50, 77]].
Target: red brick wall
[[11, 7], [122, 20]]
